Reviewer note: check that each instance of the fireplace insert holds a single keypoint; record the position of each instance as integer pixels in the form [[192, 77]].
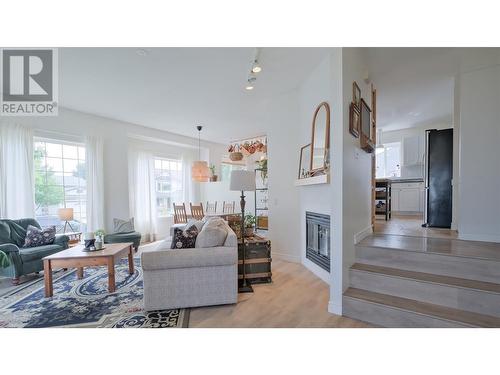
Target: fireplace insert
[[318, 239]]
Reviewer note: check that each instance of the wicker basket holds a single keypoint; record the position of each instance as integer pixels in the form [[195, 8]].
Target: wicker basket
[[236, 156]]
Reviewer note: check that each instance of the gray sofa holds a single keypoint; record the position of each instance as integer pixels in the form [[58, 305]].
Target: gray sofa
[[179, 278]]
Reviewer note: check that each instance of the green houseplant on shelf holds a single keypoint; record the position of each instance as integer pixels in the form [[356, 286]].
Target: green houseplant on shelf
[[249, 225], [262, 167], [214, 177]]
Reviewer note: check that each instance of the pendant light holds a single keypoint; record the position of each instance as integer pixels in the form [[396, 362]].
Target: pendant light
[[199, 170]]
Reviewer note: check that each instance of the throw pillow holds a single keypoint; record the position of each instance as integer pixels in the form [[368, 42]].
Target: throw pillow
[[123, 226], [211, 236], [39, 237], [184, 239], [197, 223]]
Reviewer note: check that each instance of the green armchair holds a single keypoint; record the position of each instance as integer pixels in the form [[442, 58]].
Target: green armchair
[[24, 260]]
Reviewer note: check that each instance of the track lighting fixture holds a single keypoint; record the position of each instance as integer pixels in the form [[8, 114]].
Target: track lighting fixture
[[256, 68], [250, 83]]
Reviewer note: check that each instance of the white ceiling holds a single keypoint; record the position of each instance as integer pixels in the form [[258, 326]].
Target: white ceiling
[[175, 89], [415, 85]]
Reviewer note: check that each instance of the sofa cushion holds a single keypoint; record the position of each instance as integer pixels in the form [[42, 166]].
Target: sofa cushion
[[25, 223], [156, 259], [37, 237], [123, 226], [121, 237], [35, 253], [5, 233], [231, 239], [184, 239], [213, 233], [17, 232]]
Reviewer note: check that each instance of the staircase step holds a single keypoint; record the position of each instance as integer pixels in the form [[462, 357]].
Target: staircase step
[[441, 246], [391, 311], [469, 295], [431, 262], [431, 278]]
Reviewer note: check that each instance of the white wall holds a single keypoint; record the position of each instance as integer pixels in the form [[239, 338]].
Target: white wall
[[281, 120], [479, 185], [354, 165], [74, 125], [315, 198]]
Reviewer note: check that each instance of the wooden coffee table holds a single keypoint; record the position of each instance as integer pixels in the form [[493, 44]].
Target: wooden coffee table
[[75, 257]]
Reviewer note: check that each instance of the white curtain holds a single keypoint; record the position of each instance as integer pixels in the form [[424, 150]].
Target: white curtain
[[143, 194], [95, 183], [16, 172], [190, 190]]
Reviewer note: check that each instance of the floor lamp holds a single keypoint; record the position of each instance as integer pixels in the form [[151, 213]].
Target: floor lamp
[[243, 181]]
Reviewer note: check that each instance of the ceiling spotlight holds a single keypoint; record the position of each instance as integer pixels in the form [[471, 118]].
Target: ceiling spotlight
[[250, 83], [256, 68]]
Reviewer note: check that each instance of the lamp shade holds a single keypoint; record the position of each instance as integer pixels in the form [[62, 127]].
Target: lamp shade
[[200, 171], [242, 181], [65, 214]]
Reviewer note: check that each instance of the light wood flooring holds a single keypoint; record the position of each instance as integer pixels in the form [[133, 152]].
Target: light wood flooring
[[410, 225], [296, 298]]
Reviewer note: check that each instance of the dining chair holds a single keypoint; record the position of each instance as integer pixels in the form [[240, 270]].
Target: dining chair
[[228, 208], [211, 208], [180, 215], [197, 211]]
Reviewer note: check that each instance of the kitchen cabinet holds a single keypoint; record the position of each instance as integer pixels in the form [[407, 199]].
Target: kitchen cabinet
[[409, 200], [395, 197], [413, 150], [408, 197]]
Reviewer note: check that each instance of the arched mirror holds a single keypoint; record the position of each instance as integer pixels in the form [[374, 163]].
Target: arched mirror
[[320, 141]]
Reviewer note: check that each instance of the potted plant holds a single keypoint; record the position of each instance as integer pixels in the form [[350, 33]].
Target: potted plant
[[249, 225], [263, 170], [214, 177]]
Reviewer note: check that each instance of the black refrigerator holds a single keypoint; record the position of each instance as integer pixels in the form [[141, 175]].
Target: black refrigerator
[[438, 178]]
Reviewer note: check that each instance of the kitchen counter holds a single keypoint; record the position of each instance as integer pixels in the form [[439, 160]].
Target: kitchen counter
[[406, 180]]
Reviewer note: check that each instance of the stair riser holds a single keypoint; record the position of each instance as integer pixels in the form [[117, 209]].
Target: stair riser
[[466, 268], [459, 298], [390, 317]]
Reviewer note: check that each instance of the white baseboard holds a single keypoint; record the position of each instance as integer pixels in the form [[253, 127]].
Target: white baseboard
[[317, 270], [334, 309], [479, 237], [358, 237], [286, 257]]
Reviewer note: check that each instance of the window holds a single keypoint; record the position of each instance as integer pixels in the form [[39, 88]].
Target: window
[[169, 185], [227, 168], [60, 181], [388, 160]]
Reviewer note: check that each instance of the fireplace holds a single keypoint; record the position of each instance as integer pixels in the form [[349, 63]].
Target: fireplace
[[318, 239]]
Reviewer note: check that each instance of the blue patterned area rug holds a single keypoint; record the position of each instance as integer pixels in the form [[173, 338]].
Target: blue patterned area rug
[[87, 303]]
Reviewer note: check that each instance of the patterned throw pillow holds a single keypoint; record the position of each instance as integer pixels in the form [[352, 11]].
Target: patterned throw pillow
[[38, 237], [184, 239], [123, 226]]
